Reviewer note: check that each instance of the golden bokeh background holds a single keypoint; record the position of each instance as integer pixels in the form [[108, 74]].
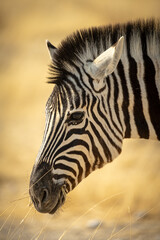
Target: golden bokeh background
[[24, 27]]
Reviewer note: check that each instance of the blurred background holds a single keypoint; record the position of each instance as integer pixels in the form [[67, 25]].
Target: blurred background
[[124, 190]]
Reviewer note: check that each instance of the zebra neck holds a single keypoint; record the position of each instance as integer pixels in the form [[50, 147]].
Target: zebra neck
[[137, 79]]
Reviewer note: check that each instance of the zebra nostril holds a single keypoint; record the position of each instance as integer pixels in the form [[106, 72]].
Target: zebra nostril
[[44, 195]]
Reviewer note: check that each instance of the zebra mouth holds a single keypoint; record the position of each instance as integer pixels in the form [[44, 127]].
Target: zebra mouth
[[60, 202], [58, 205]]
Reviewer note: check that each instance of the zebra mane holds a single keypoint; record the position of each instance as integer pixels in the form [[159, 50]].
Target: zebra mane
[[87, 44]]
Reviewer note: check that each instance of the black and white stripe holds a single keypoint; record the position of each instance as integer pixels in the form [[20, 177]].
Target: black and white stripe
[[124, 104]]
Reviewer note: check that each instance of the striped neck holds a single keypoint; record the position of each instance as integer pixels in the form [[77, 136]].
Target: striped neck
[[138, 80]]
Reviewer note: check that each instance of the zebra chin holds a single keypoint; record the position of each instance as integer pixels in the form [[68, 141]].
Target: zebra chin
[[46, 195]]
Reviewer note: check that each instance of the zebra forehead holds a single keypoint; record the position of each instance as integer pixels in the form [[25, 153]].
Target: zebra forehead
[[87, 44], [59, 96], [52, 100]]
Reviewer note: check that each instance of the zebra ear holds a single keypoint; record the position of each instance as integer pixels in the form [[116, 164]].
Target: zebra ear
[[106, 63], [52, 50]]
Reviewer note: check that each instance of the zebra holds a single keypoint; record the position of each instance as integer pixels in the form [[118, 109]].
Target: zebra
[[106, 88]]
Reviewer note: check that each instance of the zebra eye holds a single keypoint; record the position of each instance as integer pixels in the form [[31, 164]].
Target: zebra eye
[[75, 118]]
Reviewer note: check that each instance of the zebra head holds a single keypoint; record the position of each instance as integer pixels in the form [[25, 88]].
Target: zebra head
[[80, 134]]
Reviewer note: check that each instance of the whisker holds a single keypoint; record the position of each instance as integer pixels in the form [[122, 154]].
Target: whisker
[[10, 226], [5, 210], [41, 177], [115, 225], [26, 215], [85, 213], [26, 192], [130, 221], [18, 199], [20, 235], [30, 203], [22, 221], [7, 218], [133, 222], [107, 213], [36, 237]]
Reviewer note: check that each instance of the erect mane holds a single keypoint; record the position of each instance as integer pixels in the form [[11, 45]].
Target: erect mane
[[87, 44]]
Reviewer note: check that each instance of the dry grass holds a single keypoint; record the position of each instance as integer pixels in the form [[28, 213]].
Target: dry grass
[[23, 69]]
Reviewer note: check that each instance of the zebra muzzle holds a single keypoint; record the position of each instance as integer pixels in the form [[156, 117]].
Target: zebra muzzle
[[46, 196]]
